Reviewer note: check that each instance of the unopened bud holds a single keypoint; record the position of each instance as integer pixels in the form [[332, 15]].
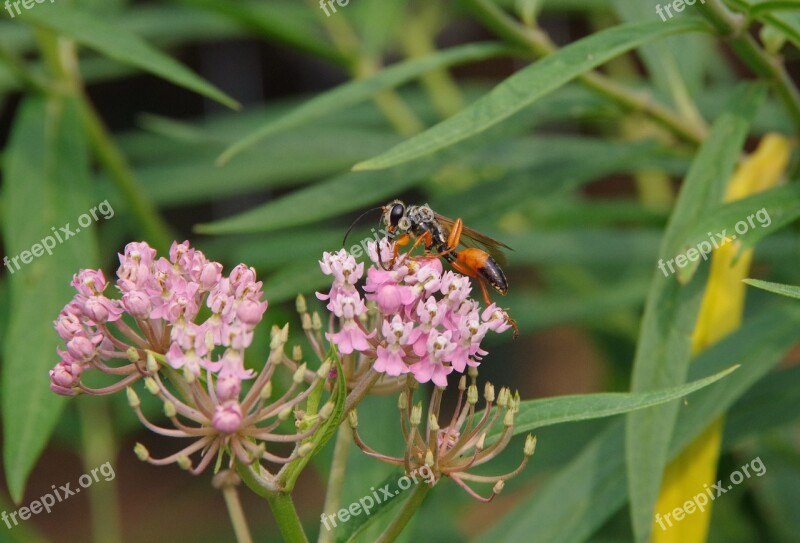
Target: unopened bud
[[151, 385], [324, 370], [530, 445], [300, 304], [433, 423], [184, 462], [305, 321], [402, 401], [462, 383], [481, 441], [133, 398], [275, 342], [169, 409], [297, 353], [266, 391], [352, 418], [133, 354], [284, 413], [141, 452], [285, 333], [305, 449], [472, 395], [152, 363], [508, 419], [299, 374], [316, 321], [499, 486], [429, 458], [416, 415], [488, 392], [326, 410], [502, 398]]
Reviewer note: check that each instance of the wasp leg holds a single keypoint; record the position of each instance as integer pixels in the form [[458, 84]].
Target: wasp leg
[[426, 238], [452, 240], [401, 241]]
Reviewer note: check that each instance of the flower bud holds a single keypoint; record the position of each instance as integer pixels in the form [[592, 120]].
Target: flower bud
[[352, 418], [530, 445], [305, 321], [429, 458], [498, 487], [305, 449], [184, 462], [502, 398], [324, 370], [416, 415], [266, 391], [297, 353], [300, 304], [481, 442], [433, 423], [316, 322], [472, 395], [151, 386], [169, 409], [284, 413], [462, 383], [299, 374], [326, 410], [508, 419], [141, 452], [227, 417], [133, 398], [402, 401], [152, 363], [133, 354], [488, 392]]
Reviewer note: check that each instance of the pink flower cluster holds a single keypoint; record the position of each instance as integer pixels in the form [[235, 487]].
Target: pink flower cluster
[[163, 297], [428, 325]]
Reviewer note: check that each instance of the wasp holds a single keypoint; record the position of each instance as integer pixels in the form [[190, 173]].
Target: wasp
[[479, 258]]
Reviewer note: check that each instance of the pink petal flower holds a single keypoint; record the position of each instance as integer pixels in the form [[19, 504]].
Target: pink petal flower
[[227, 417]]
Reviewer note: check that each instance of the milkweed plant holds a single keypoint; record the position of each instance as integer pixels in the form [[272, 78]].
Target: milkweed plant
[[569, 334]]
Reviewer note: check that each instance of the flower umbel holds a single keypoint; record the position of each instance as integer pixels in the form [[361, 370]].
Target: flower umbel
[[466, 441]]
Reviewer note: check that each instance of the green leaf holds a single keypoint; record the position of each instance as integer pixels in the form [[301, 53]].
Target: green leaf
[[46, 187], [767, 212], [584, 494], [123, 46], [784, 290], [357, 91], [326, 430], [530, 84], [664, 348], [548, 411]]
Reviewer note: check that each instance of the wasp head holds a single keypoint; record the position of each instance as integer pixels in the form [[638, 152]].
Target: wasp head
[[394, 217]]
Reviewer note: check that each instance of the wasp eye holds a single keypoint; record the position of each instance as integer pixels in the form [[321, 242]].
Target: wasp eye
[[396, 214]]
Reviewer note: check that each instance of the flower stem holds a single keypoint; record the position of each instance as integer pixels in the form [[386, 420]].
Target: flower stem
[[231, 495], [401, 520], [286, 516], [333, 496], [97, 439]]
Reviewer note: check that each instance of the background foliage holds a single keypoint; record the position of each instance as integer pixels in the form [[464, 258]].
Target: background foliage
[[591, 136]]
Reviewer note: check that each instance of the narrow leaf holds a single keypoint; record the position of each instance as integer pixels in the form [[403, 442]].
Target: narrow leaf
[[530, 84], [123, 46], [777, 288], [357, 91]]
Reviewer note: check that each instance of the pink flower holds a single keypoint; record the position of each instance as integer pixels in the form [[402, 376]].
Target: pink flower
[[227, 417], [82, 348], [390, 359], [65, 376], [101, 309], [432, 367], [89, 282], [386, 290]]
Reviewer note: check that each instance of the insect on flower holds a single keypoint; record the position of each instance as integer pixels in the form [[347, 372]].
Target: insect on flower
[[479, 258]]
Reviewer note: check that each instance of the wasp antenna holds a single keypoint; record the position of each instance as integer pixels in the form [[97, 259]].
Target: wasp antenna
[[355, 222]]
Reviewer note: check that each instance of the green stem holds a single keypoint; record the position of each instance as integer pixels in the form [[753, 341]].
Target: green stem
[[97, 438], [404, 515], [540, 45], [114, 162], [286, 516], [734, 27], [235, 512], [333, 495]]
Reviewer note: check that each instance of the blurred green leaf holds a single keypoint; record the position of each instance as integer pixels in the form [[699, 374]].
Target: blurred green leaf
[[663, 351], [46, 187], [360, 90], [529, 84], [580, 497], [784, 290], [123, 46]]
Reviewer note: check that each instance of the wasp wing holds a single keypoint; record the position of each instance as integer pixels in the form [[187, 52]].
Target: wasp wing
[[473, 238]]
